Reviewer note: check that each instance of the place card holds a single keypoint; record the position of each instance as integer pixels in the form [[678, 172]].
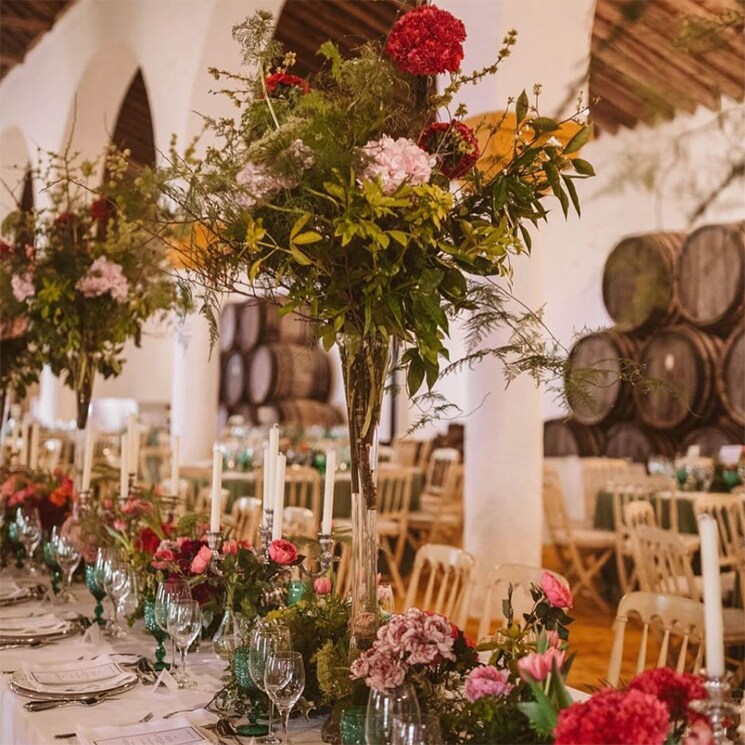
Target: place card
[[163, 732]]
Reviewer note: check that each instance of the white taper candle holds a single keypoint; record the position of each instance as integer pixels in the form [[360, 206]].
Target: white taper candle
[[33, 451], [124, 468], [328, 492], [85, 482], [133, 430], [215, 494], [175, 444], [279, 497], [707, 530]]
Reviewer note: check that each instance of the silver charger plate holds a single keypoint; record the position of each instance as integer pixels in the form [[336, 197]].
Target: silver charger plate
[[22, 690], [30, 593], [71, 630]]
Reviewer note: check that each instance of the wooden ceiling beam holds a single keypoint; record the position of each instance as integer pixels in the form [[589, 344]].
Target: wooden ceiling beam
[[606, 84], [11, 22], [347, 37]]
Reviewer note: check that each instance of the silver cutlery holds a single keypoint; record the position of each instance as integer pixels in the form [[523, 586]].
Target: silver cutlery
[[43, 705]]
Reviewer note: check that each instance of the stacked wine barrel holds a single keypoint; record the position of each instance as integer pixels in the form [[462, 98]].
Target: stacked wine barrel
[[671, 372], [272, 369]]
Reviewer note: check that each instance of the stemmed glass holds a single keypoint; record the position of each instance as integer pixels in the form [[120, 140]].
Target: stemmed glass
[[28, 530], [416, 731], [284, 681], [383, 707], [184, 625], [116, 582], [68, 556], [175, 588], [266, 638]]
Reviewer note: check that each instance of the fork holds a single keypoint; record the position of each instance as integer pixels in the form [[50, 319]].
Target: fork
[[44, 705]]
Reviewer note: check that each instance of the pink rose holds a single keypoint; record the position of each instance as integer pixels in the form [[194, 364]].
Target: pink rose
[[229, 548], [487, 681], [162, 558], [282, 552], [322, 586], [200, 562], [120, 525], [557, 592], [699, 733], [108, 504], [537, 666]]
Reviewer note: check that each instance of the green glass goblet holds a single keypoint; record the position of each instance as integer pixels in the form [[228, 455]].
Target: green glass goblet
[[53, 566], [353, 725], [20, 551], [98, 593], [253, 700], [160, 636]]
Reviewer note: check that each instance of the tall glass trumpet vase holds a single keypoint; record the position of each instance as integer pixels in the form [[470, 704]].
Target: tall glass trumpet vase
[[365, 362]]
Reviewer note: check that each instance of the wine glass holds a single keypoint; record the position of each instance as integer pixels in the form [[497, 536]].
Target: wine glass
[[184, 624], [423, 731], [385, 706], [284, 681], [175, 588], [386, 602], [68, 556], [116, 582], [265, 639], [28, 530]]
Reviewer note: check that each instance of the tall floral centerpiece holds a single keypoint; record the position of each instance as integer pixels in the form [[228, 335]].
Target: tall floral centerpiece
[[358, 196], [88, 275]]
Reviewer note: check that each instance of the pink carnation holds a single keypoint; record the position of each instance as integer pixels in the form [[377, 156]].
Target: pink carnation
[[162, 558], [395, 162], [537, 666], [22, 286], [382, 673], [200, 562], [104, 276], [487, 681], [556, 591]]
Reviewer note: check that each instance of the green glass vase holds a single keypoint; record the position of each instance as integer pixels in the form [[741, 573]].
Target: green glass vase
[[53, 566], [98, 593], [252, 699], [160, 636]]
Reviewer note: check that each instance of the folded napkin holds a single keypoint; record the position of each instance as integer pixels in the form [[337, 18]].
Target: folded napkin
[[43, 623], [175, 731], [77, 676]]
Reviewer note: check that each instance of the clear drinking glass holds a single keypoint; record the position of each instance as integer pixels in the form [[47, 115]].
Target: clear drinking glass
[[28, 530], [424, 731], [383, 707], [68, 556], [184, 625], [266, 638], [175, 588], [284, 681], [117, 583]]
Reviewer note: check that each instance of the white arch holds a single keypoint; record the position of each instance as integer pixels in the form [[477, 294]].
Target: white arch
[[14, 160]]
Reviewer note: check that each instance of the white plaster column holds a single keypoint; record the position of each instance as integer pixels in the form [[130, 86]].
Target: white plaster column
[[196, 378], [503, 426]]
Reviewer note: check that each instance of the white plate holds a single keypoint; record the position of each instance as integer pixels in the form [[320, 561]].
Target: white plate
[[76, 677], [32, 626]]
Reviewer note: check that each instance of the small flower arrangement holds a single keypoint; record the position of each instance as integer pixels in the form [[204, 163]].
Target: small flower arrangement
[[51, 493]]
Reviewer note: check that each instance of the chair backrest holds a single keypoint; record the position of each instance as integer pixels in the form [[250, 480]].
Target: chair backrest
[[447, 525], [729, 512], [448, 586], [677, 616], [499, 579], [394, 491], [303, 489], [596, 472], [639, 512], [299, 521], [245, 516], [662, 562], [554, 507], [440, 462], [405, 451], [623, 495]]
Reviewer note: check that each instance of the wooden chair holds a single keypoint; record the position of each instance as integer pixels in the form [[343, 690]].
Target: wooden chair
[[729, 512], [442, 521], [596, 473], [677, 616], [448, 587], [394, 498], [499, 579], [623, 495], [299, 522], [245, 519], [583, 551], [405, 451], [303, 489]]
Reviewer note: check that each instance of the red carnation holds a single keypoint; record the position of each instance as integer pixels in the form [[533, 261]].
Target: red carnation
[[148, 541], [427, 41], [280, 83], [613, 718], [100, 209], [454, 144], [675, 690], [6, 249]]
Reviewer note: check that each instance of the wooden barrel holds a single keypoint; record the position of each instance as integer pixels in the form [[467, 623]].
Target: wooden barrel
[[636, 442], [680, 364], [597, 390], [228, 327], [731, 377], [233, 379], [261, 323], [638, 281], [562, 437], [710, 277], [277, 372], [301, 413], [711, 437]]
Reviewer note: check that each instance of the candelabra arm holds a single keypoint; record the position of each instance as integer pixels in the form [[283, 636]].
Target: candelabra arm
[[718, 707], [265, 533], [214, 541]]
